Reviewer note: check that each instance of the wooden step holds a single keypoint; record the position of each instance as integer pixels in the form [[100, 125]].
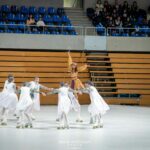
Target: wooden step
[[127, 55], [130, 61], [99, 66], [43, 80], [109, 72], [39, 54], [132, 76], [97, 56], [97, 61], [134, 91], [133, 66], [128, 71], [105, 77]]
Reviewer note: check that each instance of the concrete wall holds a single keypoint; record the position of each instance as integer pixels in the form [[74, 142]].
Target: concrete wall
[[53, 42], [60, 42], [128, 44], [37, 3]]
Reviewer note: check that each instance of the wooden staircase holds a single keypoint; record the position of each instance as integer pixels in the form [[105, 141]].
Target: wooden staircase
[[101, 74]]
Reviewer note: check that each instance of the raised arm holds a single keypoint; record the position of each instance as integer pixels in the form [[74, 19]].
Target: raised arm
[[69, 61], [82, 68]]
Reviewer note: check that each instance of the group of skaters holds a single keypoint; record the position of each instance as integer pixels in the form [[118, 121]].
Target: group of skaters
[[29, 99]]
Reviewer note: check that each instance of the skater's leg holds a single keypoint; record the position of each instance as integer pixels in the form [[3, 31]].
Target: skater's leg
[[20, 122], [66, 121], [5, 116]]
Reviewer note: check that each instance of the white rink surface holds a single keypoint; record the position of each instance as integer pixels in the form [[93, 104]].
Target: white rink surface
[[125, 128]]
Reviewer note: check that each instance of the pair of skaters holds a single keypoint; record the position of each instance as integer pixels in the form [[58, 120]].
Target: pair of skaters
[[9, 99], [97, 108]]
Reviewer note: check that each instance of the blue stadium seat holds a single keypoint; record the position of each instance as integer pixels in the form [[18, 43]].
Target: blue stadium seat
[[52, 11], [36, 17], [14, 9], [65, 19], [60, 11], [21, 26], [24, 10], [20, 18], [56, 19], [42, 10], [1, 17], [2, 25], [32, 10], [11, 17], [47, 19], [12, 26], [5, 9]]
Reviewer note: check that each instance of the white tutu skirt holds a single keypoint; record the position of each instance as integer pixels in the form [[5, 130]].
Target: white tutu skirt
[[8, 100], [98, 105], [74, 102], [36, 102], [64, 106], [24, 104]]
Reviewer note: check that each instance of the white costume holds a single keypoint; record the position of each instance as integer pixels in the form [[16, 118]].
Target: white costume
[[8, 97], [25, 100], [64, 103], [74, 102], [98, 105], [36, 96], [24, 107]]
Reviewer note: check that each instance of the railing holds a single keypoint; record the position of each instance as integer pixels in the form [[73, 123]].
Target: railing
[[128, 32], [74, 30]]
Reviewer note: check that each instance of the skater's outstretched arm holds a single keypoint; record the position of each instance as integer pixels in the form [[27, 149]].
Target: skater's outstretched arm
[[85, 90], [54, 91], [45, 88]]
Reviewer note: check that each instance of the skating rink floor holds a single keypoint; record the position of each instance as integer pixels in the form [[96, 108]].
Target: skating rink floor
[[125, 128]]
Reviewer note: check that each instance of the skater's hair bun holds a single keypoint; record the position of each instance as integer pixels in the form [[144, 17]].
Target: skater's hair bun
[[90, 83], [62, 83], [10, 75], [25, 83], [10, 79]]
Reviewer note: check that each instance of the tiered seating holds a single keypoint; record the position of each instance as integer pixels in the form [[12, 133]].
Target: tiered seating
[[51, 67], [13, 20], [122, 78], [131, 72]]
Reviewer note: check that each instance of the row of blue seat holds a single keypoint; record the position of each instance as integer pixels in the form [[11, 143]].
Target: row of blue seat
[[46, 18], [39, 32], [31, 10]]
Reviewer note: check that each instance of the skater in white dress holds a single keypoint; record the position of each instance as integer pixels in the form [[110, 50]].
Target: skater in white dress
[[8, 99], [24, 106], [64, 104], [74, 104], [36, 86], [98, 106]]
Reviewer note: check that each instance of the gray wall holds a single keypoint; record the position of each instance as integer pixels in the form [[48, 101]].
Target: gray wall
[[37, 3], [44, 42], [128, 44], [60, 42], [141, 3]]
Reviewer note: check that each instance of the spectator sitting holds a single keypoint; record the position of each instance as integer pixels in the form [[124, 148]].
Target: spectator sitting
[[30, 22], [40, 24], [99, 5], [134, 9], [148, 16], [118, 22]]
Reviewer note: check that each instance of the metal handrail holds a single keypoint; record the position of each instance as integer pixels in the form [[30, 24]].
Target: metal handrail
[[83, 30]]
